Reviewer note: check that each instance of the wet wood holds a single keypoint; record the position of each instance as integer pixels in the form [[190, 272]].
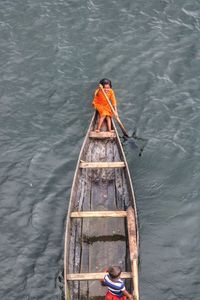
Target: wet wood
[[94, 276], [98, 165], [98, 214], [102, 135]]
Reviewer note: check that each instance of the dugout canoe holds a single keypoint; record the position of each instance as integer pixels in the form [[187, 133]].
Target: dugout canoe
[[101, 226]]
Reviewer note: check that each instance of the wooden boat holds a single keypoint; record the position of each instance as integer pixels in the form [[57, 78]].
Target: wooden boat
[[102, 227]]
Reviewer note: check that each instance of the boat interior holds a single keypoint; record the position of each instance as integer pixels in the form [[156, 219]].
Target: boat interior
[[99, 242]]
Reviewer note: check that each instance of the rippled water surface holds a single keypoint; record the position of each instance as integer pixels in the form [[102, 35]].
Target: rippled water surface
[[52, 54]]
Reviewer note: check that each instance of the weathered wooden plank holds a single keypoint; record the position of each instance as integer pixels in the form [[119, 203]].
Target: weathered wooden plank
[[97, 262], [102, 135], [101, 200], [71, 263], [99, 214], [132, 233], [104, 254], [132, 236], [84, 265], [99, 165], [94, 276], [107, 235]]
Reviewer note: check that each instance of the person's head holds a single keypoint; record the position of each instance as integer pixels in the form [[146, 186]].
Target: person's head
[[106, 83], [114, 271]]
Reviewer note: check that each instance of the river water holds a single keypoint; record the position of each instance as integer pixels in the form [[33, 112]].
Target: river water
[[52, 55]]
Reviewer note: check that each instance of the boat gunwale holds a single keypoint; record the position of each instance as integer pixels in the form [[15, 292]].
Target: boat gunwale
[[130, 183]]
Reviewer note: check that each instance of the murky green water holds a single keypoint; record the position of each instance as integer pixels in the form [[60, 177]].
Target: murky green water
[[52, 55]]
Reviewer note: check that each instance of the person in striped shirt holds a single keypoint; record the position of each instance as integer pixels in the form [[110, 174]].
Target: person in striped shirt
[[116, 287]]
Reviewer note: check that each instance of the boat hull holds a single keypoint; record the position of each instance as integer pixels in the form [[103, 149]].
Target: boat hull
[[94, 243]]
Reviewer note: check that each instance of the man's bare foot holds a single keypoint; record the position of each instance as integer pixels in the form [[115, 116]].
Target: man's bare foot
[[97, 130], [111, 130]]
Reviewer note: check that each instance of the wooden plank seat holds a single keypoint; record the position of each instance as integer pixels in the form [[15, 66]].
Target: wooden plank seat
[[100, 165], [99, 214], [94, 276], [102, 135]]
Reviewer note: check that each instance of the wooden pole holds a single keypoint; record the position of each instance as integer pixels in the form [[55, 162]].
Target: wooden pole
[[114, 113], [133, 249]]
